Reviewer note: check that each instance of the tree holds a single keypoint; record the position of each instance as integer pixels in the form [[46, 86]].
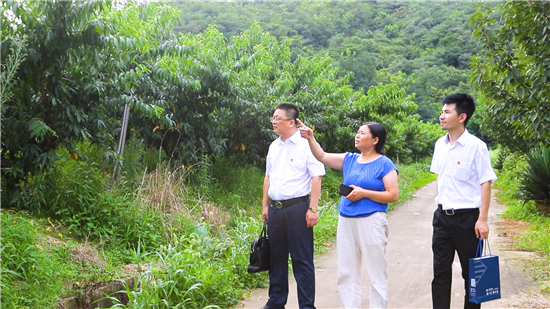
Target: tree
[[79, 72], [235, 83], [45, 109], [351, 54], [513, 72]]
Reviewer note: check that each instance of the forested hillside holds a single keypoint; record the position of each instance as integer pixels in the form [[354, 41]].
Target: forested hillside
[[423, 46]]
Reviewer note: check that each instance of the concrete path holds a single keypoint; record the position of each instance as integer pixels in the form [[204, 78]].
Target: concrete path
[[409, 263]]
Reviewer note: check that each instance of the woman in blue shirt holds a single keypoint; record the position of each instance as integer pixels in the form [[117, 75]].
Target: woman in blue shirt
[[362, 225]]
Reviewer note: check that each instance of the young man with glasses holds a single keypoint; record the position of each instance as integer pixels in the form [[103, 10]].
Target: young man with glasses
[[292, 186]]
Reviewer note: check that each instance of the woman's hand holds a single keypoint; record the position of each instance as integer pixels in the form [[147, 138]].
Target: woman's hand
[[332, 160], [306, 132], [355, 194]]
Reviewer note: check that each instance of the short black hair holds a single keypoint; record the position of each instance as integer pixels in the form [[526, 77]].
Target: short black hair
[[377, 130], [290, 109], [464, 104]]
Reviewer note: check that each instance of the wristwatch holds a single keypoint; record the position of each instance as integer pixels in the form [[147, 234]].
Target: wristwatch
[[313, 209]]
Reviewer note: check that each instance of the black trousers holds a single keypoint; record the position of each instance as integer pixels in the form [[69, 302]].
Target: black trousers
[[288, 234], [452, 233]]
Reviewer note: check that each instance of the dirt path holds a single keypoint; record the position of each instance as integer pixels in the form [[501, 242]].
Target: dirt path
[[410, 265]]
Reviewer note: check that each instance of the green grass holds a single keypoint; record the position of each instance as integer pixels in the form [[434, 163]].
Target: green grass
[[30, 266], [190, 227]]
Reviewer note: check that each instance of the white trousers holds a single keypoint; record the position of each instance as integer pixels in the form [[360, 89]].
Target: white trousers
[[364, 238]]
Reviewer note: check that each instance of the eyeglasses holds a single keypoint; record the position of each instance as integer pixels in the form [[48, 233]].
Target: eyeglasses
[[278, 119]]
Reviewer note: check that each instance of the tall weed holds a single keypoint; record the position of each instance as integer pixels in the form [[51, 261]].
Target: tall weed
[[130, 165], [199, 270], [325, 231], [137, 224], [165, 190]]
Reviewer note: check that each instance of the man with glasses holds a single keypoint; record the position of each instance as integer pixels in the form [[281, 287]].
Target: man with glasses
[[291, 190]]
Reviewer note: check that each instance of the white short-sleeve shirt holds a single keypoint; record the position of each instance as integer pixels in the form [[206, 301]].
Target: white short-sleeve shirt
[[290, 166], [461, 169]]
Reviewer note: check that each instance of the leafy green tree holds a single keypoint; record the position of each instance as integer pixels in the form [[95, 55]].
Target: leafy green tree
[[408, 137], [237, 83], [79, 72], [242, 79], [433, 83], [513, 71], [47, 107]]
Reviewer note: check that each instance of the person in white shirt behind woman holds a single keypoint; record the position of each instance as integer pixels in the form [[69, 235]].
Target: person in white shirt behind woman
[[363, 229]]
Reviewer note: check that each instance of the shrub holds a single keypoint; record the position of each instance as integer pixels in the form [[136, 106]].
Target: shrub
[[509, 179], [330, 183], [76, 199], [535, 181], [236, 187], [502, 153], [535, 238]]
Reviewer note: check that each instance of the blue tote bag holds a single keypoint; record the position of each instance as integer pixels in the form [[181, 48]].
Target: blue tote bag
[[484, 276]]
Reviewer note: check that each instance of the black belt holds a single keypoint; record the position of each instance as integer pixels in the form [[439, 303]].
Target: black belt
[[452, 212], [290, 202]]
